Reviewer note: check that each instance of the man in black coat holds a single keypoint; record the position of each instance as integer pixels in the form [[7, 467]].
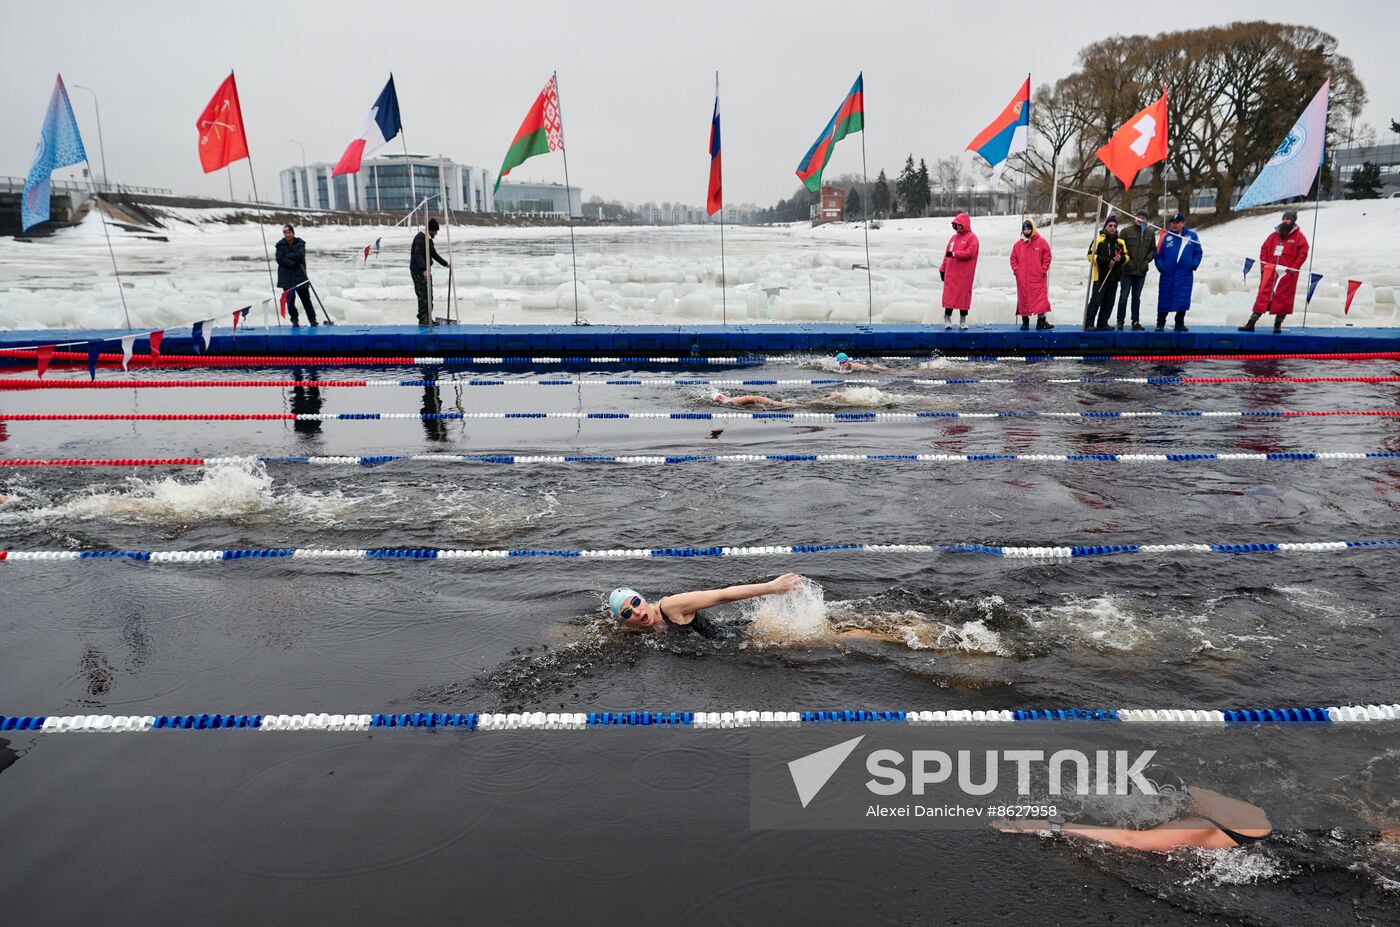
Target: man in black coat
[[1106, 257], [291, 274], [418, 269]]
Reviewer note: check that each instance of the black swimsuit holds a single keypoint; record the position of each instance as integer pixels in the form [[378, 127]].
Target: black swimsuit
[[1239, 838], [699, 624]]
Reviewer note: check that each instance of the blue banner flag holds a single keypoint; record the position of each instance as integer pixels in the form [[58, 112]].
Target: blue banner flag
[[1248, 266], [1312, 285], [60, 145]]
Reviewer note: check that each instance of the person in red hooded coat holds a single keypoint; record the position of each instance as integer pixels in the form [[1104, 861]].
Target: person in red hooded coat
[[1030, 265], [1280, 262], [957, 270]]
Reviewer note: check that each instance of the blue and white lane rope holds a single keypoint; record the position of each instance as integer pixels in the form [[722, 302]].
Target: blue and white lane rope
[[673, 459], [697, 720], [675, 416], [24, 384], [1077, 552]]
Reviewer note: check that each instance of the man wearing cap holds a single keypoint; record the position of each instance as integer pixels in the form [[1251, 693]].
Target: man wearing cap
[[291, 274], [1140, 249], [418, 268], [1280, 260], [1106, 257], [1178, 256]]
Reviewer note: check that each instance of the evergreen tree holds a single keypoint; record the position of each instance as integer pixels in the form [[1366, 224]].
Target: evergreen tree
[[907, 188], [852, 205], [880, 195], [925, 191], [1395, 127], [1365, 182]]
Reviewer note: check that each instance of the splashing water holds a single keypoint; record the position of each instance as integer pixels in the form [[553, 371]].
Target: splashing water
[[222, 491], [781, 619]]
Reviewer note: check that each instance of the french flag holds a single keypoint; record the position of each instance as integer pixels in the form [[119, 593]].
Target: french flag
[[381, 124], [1009, 134]]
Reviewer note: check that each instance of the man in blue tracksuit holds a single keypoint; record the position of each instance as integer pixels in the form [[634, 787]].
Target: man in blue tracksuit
[[1178, 256]]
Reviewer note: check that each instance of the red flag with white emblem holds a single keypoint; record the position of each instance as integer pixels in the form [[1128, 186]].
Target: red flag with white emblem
[[221, 138], [1140, 142]]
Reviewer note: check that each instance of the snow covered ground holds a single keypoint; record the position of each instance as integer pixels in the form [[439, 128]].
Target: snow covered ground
[[652, 275]]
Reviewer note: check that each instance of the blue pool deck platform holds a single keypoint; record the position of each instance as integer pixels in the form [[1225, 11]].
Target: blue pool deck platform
[[726, 340]]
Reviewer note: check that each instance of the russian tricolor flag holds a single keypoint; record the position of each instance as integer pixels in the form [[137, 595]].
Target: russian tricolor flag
[[714, 202], [381, 124], [1008, 134]]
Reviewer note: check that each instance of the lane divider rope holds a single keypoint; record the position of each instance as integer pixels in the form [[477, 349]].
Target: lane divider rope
[[342, 360], [1323, 716], [1149, 358], [682, 416], [645, 460], [184, 557], [27, 384]]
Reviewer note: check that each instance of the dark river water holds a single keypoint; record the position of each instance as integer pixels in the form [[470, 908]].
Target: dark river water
[[652, 826]]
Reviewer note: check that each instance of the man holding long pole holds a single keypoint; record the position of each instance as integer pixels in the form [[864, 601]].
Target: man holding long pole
[[419, 255]]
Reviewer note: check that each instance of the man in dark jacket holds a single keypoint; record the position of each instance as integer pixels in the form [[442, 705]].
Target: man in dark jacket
[[291, 274], [418, 268], [1140, 246], [1106, 258]]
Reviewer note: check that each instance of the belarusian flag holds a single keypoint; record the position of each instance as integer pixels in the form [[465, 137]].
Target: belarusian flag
[[540, 133]]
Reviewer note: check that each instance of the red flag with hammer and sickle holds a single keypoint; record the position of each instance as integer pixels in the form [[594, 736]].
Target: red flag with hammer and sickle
[[221, 138]]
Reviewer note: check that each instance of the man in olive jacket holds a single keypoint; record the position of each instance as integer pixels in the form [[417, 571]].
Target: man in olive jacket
[[1140, 246]]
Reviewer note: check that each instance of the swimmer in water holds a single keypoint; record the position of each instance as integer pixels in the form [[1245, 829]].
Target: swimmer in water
[[844, 361], [1201, 826], [682, 611], [766, 402]]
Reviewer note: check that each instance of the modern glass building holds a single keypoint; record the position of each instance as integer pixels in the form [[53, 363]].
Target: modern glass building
[[539, 199], [389, 183]]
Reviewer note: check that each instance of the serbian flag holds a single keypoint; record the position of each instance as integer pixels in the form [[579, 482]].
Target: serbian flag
[[380, 125], [714, 202], [850, 117], [1008, 134], [1140, 142], [540, 133], [221, 138]]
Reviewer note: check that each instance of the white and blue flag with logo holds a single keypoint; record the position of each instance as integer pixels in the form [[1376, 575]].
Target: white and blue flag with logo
[[1290, 172], [60, 145]]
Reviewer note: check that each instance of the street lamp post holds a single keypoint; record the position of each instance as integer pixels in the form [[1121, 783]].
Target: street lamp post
[[305, 180], [102, 148]]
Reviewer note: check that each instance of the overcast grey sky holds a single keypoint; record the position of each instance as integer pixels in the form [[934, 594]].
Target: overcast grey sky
[[636, 78]]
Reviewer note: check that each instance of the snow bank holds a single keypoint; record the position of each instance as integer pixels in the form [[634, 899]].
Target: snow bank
[[650, 275]]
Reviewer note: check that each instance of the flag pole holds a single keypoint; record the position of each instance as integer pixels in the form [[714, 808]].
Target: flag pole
[[568, 198], [267, 255], [428, 259], [1317, 207], [1054, 196], [408, 163], [228, 172], [865, 181], [107, 235], [447, 215], [723, 278]]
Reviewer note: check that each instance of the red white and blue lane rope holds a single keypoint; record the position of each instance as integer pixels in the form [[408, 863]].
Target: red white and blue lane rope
[[15, 383], [668, 460], [1341, 715], [1063, 553], [679, 416], [1148, 358]]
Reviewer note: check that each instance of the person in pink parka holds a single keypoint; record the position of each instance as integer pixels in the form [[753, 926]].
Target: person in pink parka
[[957, 270], [1030, 265]]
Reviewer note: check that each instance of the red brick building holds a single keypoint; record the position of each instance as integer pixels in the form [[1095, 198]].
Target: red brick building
[[831, 207]]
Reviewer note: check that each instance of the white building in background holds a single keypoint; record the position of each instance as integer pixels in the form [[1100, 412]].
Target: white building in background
[[385, 184], [539, 199]]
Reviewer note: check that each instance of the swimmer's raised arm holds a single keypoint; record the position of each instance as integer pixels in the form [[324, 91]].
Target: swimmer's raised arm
[[683, 606]]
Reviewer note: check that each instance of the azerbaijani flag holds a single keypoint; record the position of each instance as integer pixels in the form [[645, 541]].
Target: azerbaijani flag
[[715, 201], [380, 125], [1008, 134], [540, 133], [850, 117]]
